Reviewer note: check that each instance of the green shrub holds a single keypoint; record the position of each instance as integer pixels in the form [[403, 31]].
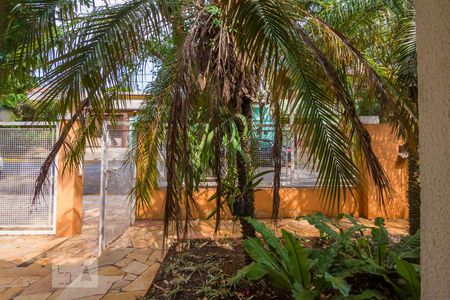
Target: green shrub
[[308, 273]]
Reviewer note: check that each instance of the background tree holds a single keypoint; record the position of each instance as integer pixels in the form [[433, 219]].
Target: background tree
[[15, 80], [384, 31]]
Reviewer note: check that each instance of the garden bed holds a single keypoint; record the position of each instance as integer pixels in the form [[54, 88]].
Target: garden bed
[[200, 269], [342, 264]]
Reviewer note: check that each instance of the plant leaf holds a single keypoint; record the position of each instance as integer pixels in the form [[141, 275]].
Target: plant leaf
[[253, 271], [319, 221], [298, 258], [338, 283], [408, 272]]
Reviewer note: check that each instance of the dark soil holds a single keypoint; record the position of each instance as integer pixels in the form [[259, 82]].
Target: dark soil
[[200, 269]]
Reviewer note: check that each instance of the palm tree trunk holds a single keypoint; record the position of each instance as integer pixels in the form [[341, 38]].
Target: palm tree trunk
[[277, 149], [3, 23], [261, 118], [413, 192], [243, 172]]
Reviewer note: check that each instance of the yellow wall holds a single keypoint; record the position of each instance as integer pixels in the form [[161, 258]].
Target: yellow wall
[[301, 201]]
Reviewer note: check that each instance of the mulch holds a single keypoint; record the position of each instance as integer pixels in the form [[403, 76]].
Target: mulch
[[200, 269]]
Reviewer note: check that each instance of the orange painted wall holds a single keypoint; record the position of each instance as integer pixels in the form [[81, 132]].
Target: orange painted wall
[[295, 202], [385, 145], [301, 201], [69, 198]]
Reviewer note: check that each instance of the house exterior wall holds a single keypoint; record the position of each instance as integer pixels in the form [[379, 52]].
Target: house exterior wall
[[433, 53]]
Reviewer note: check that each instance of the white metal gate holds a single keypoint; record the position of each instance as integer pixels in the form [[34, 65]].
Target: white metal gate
[[24, 147], [116, 186]]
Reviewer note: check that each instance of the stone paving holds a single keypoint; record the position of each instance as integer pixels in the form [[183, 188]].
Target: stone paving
[[18, 249], [124, 271], [45, 267]]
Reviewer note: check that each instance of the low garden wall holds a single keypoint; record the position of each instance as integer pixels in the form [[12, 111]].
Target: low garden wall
[[301, 201], [294, 201]]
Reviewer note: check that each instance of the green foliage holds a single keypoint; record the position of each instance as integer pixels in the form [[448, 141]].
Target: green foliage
[[410, 274], [215, 12], [408, 248], [11, 100], [230, 143], [212, 55], [13, 90], [308, 273]]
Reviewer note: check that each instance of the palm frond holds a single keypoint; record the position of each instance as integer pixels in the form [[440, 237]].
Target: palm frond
[[149, 132], [406, 79], [265, 31], [99, 55], [97, 59], [63, 142], [179, 191], [351, 15], [43, 25], [374, 167], [406, 34]]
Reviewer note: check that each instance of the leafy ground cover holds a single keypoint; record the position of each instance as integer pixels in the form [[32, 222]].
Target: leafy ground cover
[[356, 262], [361, 262]]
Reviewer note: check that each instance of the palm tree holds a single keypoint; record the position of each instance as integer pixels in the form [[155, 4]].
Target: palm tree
[[385, 32], [214, 57], [407, 80]]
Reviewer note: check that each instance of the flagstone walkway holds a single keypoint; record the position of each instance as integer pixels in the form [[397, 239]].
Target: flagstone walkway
[[69, 269]]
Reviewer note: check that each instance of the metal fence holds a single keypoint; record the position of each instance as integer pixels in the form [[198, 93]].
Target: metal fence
[[294, 171], [23, 148], [117, 182]]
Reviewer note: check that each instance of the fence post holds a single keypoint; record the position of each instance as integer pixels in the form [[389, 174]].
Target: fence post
[[103, 190], [133, 197], [69, 195]]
